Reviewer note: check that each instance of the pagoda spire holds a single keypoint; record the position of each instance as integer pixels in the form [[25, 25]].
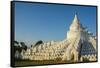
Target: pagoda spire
[[75, 24], [75, 20]]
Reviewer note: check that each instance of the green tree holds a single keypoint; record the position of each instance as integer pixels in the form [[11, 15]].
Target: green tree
[[39, 42], [24, 46]]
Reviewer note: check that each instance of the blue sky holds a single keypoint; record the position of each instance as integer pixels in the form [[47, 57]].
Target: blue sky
[[34, 21]]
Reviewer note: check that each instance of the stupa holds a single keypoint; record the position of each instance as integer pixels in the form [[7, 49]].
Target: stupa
[[79, 46]]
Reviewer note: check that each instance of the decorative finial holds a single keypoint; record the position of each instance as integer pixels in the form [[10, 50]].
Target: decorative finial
[[76, 13]]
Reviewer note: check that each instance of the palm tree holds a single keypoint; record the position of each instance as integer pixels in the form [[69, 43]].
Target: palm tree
[[23, 45], [39, 42]]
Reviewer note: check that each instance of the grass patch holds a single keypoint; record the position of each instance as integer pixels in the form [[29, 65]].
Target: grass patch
[[38, 62]]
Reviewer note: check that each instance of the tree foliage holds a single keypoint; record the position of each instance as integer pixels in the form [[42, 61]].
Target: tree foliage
[[23, 45], [39, 42]]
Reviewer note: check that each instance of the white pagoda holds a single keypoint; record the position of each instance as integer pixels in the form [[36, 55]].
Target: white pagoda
[[79, 46]]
